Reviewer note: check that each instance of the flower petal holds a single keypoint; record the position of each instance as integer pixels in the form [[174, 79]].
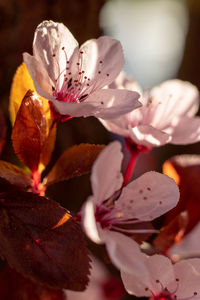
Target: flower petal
[[159, 273], [118, 126], [149, 136], [89, 222], [106, 176], [123, 81], [101, 104], [41, 80], [49, 39], [124, 252], [186, 131], [148, 197], [102, 60], [172, 98], [114, 103], [188, 273]]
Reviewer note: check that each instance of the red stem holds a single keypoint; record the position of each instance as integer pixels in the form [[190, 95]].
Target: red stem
[[130, 167], [135, 150]]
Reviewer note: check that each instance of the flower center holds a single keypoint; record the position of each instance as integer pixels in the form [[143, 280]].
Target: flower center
[[72, 85], [103, 216], [163, 296]]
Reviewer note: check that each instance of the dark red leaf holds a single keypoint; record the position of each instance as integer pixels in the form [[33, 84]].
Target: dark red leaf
[[29, 131], [75, 161], [2, 131], [13, 286], [40, 239], [14, 174]]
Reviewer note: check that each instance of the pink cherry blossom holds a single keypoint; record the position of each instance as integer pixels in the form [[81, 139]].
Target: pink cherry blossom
[[72, 78], [102, 286], [106, 214], [167, 114], [165, 281]]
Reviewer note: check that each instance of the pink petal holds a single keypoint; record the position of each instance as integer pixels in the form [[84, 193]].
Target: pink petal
[[124, 252], [172, 98], [186, 131], [106, 176], [149, 136], [159, 273], [148, 197], [188, 273], [123, 81], [89, 222], [104, 55], [118, 126], [49, 39], [103, 103], [114, 103], [41, 80]]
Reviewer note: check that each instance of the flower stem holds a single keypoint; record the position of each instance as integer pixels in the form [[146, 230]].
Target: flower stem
[[135, 151]]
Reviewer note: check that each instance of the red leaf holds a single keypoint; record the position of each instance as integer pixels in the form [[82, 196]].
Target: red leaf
[[33, 133], [2, 131], [14, 174], [29, 131], [40, 239], [75, 161], [14, 286]]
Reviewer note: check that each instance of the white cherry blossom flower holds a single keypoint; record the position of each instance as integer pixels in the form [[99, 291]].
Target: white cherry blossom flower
[[106, 214], [165, 281], [167, 114], [72, 78]]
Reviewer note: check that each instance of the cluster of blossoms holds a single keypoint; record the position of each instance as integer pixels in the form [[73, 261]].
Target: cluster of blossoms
[[89, 81]]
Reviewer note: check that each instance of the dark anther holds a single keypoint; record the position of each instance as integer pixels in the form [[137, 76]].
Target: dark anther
[[82, 97], [69, 83], [53, 88]]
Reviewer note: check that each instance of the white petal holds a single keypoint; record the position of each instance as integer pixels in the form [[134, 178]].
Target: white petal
[[107, 51], [114, 103], [49, 39], [41, 80], [82, 109], [149, 136], [188, 273], [102, 103], [158, 268], [89, 222], [118, 126], [186, 131], [106, 176], [124, 252], [173, 98], [148, 197], [123, 81]]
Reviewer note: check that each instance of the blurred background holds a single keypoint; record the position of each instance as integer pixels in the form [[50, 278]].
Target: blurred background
[[160, 39]]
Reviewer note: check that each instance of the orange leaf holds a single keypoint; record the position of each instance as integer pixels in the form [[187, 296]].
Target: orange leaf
[[22, 82]]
